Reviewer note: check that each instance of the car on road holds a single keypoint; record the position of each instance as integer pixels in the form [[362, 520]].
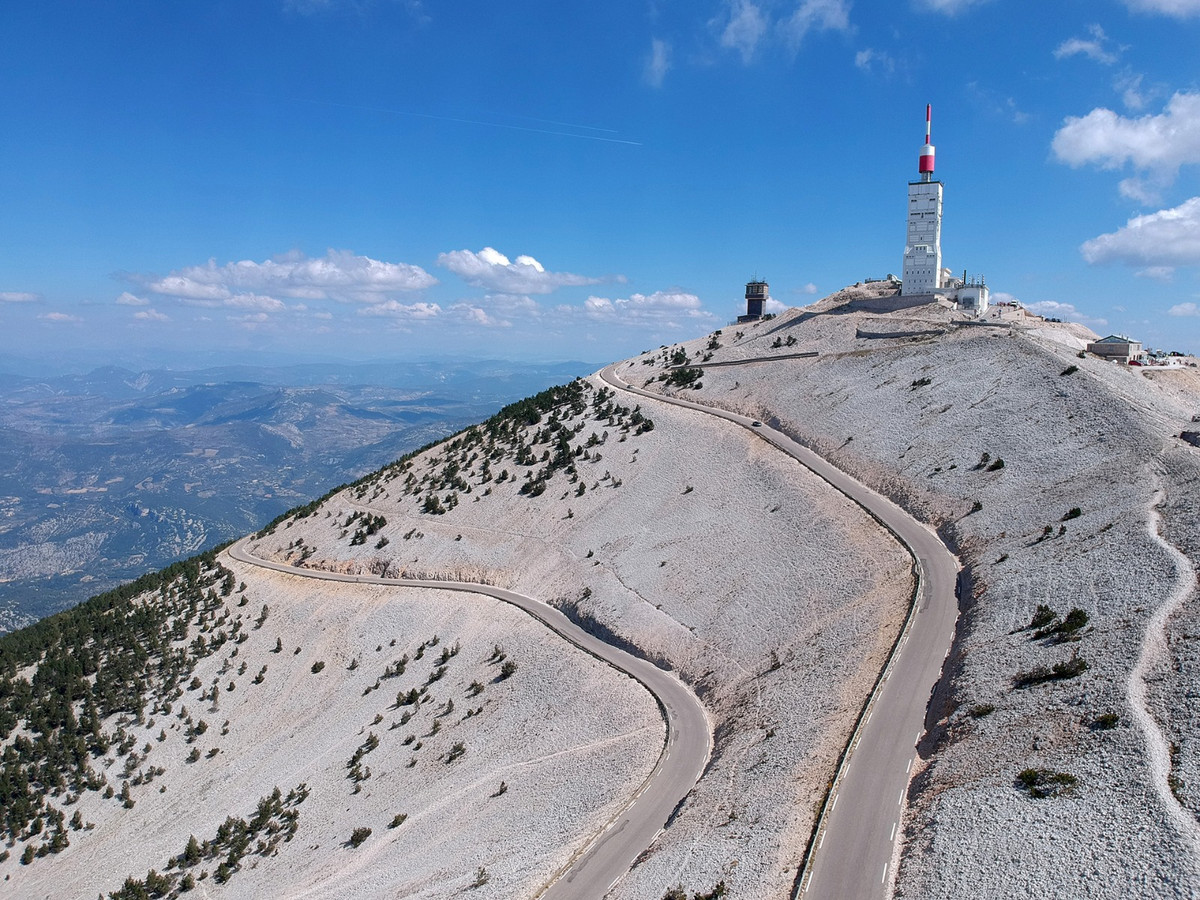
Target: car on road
[[756, 424]]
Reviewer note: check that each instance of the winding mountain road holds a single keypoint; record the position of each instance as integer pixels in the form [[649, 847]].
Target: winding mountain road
[[610, 854], [853, 845], [855, 836]]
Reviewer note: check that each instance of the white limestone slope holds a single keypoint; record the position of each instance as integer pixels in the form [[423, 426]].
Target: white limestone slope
[[912, 415], [773, 596], [569, 736]]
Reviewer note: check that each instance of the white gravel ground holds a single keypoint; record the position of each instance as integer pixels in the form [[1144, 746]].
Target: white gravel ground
[[570, 736], [1102, 438], [759, 556], [777, 600]]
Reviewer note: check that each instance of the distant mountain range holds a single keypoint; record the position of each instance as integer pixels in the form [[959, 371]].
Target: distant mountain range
[[109, 474]]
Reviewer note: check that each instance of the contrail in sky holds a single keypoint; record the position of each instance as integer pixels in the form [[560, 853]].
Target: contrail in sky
[[482, 122], [568, 124]]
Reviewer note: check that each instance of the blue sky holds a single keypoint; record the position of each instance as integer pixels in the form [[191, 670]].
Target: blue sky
[[346, 179]]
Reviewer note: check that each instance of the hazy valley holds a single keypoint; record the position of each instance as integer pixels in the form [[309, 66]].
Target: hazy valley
[[110, 474]]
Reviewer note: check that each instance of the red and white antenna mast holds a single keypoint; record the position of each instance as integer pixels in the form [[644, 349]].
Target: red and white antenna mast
[[926, 164]]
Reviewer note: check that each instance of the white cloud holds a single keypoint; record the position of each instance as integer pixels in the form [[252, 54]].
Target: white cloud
[[339, 275], [1184, 309], [478, 316], [995, 104], [1052, 309], [869, 58], [1159, 144], [18, 297], [815, 15], [1019, 116], [1164, 274], [1180, 9], [773, 306], [396, 310], [948, 7], [187, 288], [1130, 86], [511, 306], [1169, 237], [59, 317], [493, 270], [255, 301], [744, 29], [128, 299], [151, 315], [475, 314], [1143, 191], [661, 305], [745, 25], [658, 63], [1093, 47], [809, 288]]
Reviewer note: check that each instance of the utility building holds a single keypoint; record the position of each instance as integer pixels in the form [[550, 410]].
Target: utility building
[[756, 296], [1116, 346], [922, 273]]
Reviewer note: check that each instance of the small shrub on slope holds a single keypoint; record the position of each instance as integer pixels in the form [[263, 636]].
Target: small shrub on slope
[[1043, 783]]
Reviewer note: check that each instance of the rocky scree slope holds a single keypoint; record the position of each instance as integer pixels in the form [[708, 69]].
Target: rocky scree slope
[[1062, 757], [235, 732], [685, 539]]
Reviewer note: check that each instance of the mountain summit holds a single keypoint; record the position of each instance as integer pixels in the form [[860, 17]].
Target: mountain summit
[[308, 729]]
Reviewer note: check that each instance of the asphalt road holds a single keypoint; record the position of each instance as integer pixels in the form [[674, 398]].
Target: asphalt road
[[610, 854], [855, 842]]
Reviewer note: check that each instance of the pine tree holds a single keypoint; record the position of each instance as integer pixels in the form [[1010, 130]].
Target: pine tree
[[191, 855]]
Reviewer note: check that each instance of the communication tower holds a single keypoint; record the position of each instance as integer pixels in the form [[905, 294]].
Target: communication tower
[[922, 273]]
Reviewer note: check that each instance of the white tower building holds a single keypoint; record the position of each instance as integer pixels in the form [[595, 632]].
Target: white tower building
[[922, 272]]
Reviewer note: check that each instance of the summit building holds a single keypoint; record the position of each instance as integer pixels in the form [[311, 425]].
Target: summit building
[[923, 272]]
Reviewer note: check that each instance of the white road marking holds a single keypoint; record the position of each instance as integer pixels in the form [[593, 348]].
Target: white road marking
[[908, 768], [881, 880], [833, 805], [900, 802], [892, 836]]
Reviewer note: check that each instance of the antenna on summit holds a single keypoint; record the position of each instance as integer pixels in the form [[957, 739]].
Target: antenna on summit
[[925, 166], [923, 243], [923, 272]]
